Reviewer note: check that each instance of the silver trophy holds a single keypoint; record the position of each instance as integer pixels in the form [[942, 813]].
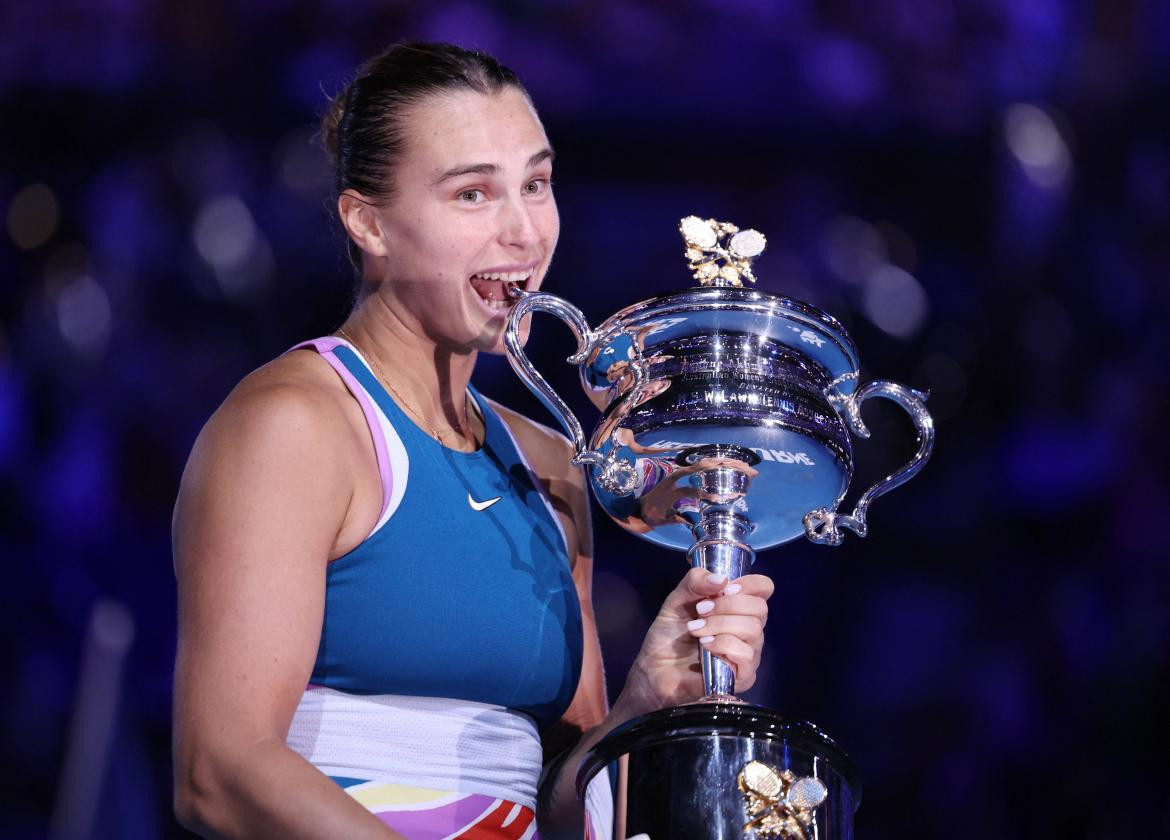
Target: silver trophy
[[725, 426]]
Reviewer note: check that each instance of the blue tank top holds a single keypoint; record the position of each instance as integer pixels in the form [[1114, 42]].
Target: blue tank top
[[465, 590]]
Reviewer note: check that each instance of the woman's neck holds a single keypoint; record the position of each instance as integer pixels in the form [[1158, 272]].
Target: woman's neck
[[432, 380]]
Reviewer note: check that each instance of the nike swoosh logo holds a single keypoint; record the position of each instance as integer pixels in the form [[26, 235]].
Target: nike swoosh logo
[[481, 505]]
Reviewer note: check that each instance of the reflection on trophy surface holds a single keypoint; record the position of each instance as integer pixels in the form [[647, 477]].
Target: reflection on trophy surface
[[726, 415]]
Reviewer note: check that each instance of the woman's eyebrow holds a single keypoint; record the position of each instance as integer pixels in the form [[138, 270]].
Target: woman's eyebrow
[[544, 154], [490, 168], [469, 169]]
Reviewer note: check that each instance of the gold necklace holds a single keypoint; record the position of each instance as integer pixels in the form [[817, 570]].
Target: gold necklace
[[385, 380]]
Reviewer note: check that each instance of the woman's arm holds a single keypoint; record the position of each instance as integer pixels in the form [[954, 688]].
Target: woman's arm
[[262, 506]]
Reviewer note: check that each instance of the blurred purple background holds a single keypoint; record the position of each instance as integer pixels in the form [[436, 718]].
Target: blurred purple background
[[980, 191]]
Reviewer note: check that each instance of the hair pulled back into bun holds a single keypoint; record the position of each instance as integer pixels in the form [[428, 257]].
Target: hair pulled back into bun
[[330, 123], [363, 129]]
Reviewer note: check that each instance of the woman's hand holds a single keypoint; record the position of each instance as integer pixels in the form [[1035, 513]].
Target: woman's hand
[[726, 618]]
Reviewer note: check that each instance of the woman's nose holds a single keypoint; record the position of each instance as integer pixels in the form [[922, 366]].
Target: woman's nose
[[518, 226]]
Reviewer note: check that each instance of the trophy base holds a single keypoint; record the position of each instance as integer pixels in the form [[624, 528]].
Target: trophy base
[[686, 776]]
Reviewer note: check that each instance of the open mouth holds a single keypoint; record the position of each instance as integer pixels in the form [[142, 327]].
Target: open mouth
[[496, 289]]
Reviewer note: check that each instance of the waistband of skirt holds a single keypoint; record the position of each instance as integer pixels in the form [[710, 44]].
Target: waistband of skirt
[[433, 743]]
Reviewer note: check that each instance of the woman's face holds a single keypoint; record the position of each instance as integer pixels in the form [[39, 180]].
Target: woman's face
[[472, 212]]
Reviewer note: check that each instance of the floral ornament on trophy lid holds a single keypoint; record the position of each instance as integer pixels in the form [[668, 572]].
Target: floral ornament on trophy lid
[[710, 242]]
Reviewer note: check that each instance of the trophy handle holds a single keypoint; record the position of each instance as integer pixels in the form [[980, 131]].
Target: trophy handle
[[824, 525], [616, 475]]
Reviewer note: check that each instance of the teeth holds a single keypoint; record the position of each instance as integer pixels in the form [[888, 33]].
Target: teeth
[[506, 276]]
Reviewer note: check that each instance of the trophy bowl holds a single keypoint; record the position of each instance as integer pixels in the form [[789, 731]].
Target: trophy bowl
[[725, 429], [718, 770]]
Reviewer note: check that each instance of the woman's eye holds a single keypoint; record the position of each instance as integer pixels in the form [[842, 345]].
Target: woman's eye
[[471, 196], [537, 186]]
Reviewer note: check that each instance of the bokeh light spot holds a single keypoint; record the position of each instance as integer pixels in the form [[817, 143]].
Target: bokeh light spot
[[33, 216], [112, 625], [894, 301], [1035, 140], [227, 238], [224, 232], [302, 164], [852, 248], [83, 314]]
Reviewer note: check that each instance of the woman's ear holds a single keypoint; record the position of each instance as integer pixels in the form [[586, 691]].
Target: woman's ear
[[360, 220]]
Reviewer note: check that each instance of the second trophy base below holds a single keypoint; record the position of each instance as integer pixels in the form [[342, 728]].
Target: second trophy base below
[[715, 771]]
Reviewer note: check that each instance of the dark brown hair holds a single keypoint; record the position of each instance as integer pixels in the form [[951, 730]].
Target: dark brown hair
[[364, 129]]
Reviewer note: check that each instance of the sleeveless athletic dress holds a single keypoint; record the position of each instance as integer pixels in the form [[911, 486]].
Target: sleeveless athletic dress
[[452, 634]]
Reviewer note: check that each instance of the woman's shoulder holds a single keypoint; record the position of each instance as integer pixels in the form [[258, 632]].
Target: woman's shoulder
[[293, 406], [295, 388], [288, 449]]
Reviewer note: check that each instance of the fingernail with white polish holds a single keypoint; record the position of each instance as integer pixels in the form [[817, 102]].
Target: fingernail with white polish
[[704, 607], [733, 589], [706, 640], [697, 624], [716, 579]]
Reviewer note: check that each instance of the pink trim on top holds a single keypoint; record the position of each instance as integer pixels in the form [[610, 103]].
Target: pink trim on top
[[325, 346]]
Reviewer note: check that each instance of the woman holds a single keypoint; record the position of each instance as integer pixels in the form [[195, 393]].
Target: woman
[[384, 578]]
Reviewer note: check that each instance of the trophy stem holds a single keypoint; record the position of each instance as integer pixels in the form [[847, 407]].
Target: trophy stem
[[720, 549]]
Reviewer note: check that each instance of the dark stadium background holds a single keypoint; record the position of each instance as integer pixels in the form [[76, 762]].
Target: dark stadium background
[[980, 191]]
